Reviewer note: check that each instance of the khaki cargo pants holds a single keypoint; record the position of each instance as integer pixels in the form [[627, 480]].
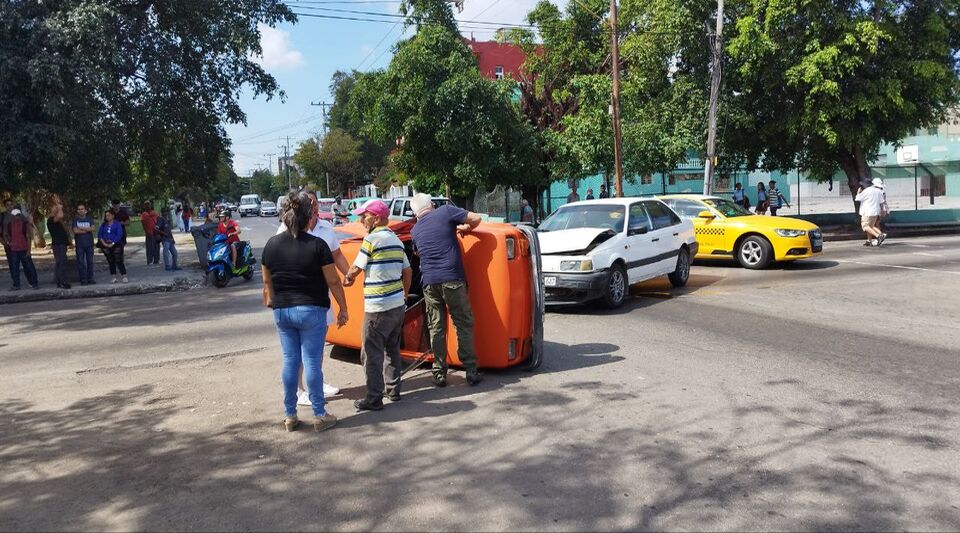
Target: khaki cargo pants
[[439, 297]]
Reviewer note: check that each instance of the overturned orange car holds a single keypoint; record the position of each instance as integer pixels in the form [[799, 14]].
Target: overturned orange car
[[502, 263]]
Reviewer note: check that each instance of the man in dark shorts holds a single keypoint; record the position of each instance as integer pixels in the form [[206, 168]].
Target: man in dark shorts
[[445, 282]]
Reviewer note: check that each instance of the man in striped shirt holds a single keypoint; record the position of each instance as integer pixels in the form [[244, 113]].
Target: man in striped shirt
[[386, 281]]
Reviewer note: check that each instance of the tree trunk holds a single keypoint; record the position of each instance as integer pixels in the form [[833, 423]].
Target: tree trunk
[[856, 169]]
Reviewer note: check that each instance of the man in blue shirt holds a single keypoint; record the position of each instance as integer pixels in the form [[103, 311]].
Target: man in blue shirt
[[83, 229], [445, 282]]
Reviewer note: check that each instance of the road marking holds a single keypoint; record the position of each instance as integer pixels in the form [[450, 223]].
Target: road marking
[[900, 266]]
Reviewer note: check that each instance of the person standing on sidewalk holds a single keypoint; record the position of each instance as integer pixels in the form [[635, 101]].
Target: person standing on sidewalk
[[739, 194], [83, 229], [873, 203], [323, 230], [110, 241], [6, 215], [298, 277], [164, 231], [187, 215], [18, 233], [59, 241], [148, 218], [444, 282], [386, 281], [121, 216]]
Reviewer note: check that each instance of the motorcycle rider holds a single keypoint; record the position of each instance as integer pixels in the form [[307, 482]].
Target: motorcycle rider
[[340, 212], [231, 229]]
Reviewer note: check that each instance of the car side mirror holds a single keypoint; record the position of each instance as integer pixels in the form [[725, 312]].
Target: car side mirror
[[637, 231], [706, 214]]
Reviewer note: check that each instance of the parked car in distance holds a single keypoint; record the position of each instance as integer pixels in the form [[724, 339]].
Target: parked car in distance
[[354, 203], [325, 212], [249, 205], [268, 209], [400, 207], [597, 249], [726, 230]]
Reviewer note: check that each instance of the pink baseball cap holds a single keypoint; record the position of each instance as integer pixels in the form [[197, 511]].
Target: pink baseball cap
[[376, 207]]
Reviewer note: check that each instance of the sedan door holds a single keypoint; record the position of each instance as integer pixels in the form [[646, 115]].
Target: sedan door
[[640, 249], [665, 237]]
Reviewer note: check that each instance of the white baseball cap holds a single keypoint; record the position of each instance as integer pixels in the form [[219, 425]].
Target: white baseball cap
[[877, 182], [16, 212]]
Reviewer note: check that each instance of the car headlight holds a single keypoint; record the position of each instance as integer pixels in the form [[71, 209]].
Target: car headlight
[[791, 232], [585, 265]]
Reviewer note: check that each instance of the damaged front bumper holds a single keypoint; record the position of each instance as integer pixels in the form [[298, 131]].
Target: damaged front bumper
[[567, 289]]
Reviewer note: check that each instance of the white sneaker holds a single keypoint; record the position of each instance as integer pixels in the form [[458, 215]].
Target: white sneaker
[[115, 280], [874, 242], [329, 391], [303, 398], [125, 280]]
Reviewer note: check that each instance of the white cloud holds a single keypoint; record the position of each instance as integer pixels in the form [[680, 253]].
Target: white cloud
[[278, 51]]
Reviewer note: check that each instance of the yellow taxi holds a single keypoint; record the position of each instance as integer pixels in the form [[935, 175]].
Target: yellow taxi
[[726, 230]]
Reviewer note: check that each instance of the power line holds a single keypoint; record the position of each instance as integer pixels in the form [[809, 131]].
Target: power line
[[394, 16], [374, 49]]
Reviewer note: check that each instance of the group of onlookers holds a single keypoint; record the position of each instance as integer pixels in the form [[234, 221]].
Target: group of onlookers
[[769, 199], [17, 231], [302, 266]]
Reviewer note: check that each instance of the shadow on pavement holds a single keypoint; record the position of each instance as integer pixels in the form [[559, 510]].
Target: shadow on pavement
[[538, 460]]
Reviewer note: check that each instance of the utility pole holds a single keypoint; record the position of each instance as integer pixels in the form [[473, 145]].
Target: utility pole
[[716, 44], [324, 106], [615, 99], [286, 163]]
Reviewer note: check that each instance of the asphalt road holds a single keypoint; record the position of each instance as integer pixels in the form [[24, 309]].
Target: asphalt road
[[820, 395]]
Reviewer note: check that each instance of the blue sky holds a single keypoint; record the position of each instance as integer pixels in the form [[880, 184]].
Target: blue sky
[[303, 56]]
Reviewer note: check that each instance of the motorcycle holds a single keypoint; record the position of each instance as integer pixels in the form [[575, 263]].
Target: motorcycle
[[220, 268]]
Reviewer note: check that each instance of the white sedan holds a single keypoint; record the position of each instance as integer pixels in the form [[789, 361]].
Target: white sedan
[[596, 249]]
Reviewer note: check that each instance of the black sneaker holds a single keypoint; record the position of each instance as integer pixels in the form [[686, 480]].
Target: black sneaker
[[393, 396], [439, 379], [368, 405], [65, 286], [91, 282], [474, 378]]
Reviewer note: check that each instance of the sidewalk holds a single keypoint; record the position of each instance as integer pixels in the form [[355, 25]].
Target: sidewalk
[[851, 232], [143, 279]]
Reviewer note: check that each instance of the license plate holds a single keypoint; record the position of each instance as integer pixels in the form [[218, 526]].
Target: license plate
[[550, 281]]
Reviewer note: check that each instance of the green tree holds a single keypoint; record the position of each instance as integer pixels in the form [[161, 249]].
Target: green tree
[[565, 46], [307, 157], [373, 155], [268, 185], [455, 130], [99, 95], [817, 85], [849, 76], [340, 158]]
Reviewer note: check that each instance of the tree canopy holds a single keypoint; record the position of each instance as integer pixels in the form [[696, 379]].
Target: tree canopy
[[453, 127], [98, 93]]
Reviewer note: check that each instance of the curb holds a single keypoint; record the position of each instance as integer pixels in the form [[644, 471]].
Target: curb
[[852, 234], [126, 289]]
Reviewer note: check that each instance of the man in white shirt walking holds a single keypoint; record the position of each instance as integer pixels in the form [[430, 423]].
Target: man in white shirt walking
[[873, 204]]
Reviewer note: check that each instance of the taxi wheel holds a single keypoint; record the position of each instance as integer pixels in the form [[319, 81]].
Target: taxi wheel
[[679, 277], [617, 286], [754, 252]]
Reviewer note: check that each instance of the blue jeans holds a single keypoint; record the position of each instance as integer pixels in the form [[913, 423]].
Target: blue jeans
[[85, 262], [303, 333], [169, 249]]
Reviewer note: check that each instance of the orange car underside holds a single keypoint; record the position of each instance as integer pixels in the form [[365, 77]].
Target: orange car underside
[[503, 278]]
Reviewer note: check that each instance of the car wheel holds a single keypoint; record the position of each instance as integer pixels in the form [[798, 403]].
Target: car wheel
[[755, 252], [679, 277], [617, 286]]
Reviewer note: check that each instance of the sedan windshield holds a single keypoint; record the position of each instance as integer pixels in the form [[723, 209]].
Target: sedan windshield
[[727, 208], [603, 216]]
